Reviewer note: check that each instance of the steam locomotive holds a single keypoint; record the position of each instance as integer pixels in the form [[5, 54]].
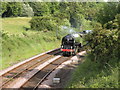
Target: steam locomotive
[[72, 43]]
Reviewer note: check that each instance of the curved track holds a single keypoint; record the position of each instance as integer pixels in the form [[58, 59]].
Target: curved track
[[38, 78], [25, 68]]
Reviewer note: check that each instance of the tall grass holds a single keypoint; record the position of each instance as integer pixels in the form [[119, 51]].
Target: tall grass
[[15, 25], [90, 74], [19, 44], [16, 48]]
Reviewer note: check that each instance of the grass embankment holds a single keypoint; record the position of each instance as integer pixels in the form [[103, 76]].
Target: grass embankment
[[20, 43], [93, 75]]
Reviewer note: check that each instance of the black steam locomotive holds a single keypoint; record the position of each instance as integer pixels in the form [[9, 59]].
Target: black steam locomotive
[[72, 43]]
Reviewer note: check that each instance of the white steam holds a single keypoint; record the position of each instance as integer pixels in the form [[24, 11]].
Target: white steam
[[67, 30]]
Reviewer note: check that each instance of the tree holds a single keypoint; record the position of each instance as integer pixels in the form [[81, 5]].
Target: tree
[[27, 10], [40, 8], [108, 12], [3, 6], [11, 9], [53, 7]]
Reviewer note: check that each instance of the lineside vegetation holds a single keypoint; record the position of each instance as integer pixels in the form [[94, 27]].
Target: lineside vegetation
[[19, 44]]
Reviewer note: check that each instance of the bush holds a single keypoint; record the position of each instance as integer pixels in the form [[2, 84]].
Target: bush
[[40, 8], [111, 25], [89, 75], [115, 24], [47, 23], [103, 44], [43, 23]]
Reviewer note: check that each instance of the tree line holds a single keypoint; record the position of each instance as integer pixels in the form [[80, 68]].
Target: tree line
[[75, 12]]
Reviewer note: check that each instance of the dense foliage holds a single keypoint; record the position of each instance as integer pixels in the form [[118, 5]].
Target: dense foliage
[[11, 9], [104, 43], [47, 23], [77, 14], [108, 12], [74, 12], [91, 75], [40, 8]]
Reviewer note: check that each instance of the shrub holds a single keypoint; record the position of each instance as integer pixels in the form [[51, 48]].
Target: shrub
[[111, 25], [103, 44], [115, 24], [42, 23], [47, 23]]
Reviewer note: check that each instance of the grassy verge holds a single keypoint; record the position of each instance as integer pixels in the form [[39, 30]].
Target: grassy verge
[[93, 75], [15, 25], [19, 44], [17, 48]]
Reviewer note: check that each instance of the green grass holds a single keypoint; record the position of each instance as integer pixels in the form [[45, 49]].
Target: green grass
[[93, 75], [15, 25], [19, 44]]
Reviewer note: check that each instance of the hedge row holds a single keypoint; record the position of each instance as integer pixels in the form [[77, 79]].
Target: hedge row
[[103, 43], [47, 23]]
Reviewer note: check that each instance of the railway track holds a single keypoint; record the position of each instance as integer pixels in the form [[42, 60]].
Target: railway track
[[21, 70], [38, 78]]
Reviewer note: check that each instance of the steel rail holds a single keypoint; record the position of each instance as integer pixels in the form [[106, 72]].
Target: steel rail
[[26, 61], [27, 69], [37, 86], [47, 73]]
